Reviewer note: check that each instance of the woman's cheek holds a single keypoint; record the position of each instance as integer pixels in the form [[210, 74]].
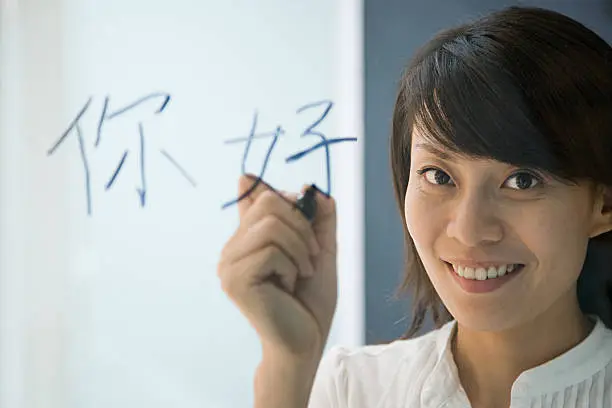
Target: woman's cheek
[[421, 215]]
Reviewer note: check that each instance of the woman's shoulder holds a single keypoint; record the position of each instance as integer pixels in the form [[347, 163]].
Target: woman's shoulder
[[396, 352], [369, 373]]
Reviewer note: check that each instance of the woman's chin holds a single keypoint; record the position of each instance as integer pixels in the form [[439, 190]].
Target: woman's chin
[[494, 319]]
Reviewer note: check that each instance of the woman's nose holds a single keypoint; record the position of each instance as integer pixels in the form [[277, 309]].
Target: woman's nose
[[474, 221]]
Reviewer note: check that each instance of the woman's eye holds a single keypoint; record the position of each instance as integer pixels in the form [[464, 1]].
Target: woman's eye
[[523, 181], [435, 176]]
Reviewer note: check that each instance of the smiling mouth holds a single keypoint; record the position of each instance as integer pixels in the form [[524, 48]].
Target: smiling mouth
[[481, 273], [481, 282]]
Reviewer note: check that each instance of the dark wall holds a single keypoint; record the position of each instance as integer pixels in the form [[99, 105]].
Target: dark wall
[[394, 29]]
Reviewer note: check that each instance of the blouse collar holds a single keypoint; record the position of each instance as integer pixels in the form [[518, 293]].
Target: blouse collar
[[574, 366]]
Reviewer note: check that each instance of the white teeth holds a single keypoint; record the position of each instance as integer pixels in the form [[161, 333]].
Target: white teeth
[[483, 273]]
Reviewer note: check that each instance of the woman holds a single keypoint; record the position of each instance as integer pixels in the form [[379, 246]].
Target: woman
[[501, 153]]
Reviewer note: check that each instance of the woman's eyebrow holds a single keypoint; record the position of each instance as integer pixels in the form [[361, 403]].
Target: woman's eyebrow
[[434, 150]]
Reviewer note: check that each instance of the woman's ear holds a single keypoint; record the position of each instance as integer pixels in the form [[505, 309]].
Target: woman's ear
[[602, 221]]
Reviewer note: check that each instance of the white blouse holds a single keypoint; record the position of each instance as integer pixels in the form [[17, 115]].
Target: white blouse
[[421, 373]]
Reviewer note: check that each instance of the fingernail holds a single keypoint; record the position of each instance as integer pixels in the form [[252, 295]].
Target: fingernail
[[288, 195]]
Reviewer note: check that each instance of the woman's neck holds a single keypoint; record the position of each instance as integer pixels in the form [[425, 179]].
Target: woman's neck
[[489, 362]]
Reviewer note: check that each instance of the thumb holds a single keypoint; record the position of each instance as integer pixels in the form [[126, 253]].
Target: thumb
[[324, 224]]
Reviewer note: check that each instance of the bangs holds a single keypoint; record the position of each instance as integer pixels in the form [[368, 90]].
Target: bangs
[[474, 107]]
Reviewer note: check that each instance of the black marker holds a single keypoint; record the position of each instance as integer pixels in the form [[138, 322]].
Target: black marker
[[307, 203]]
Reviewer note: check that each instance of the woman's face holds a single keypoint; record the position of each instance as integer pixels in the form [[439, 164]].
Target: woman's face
[[482, 218]]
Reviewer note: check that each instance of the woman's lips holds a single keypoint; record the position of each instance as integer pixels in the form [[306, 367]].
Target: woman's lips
[[483, 286]]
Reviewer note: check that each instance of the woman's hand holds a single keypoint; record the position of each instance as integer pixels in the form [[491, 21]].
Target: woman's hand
[[280, 270]]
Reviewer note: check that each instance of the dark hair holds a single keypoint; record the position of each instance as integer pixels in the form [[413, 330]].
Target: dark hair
[[523, 85]]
